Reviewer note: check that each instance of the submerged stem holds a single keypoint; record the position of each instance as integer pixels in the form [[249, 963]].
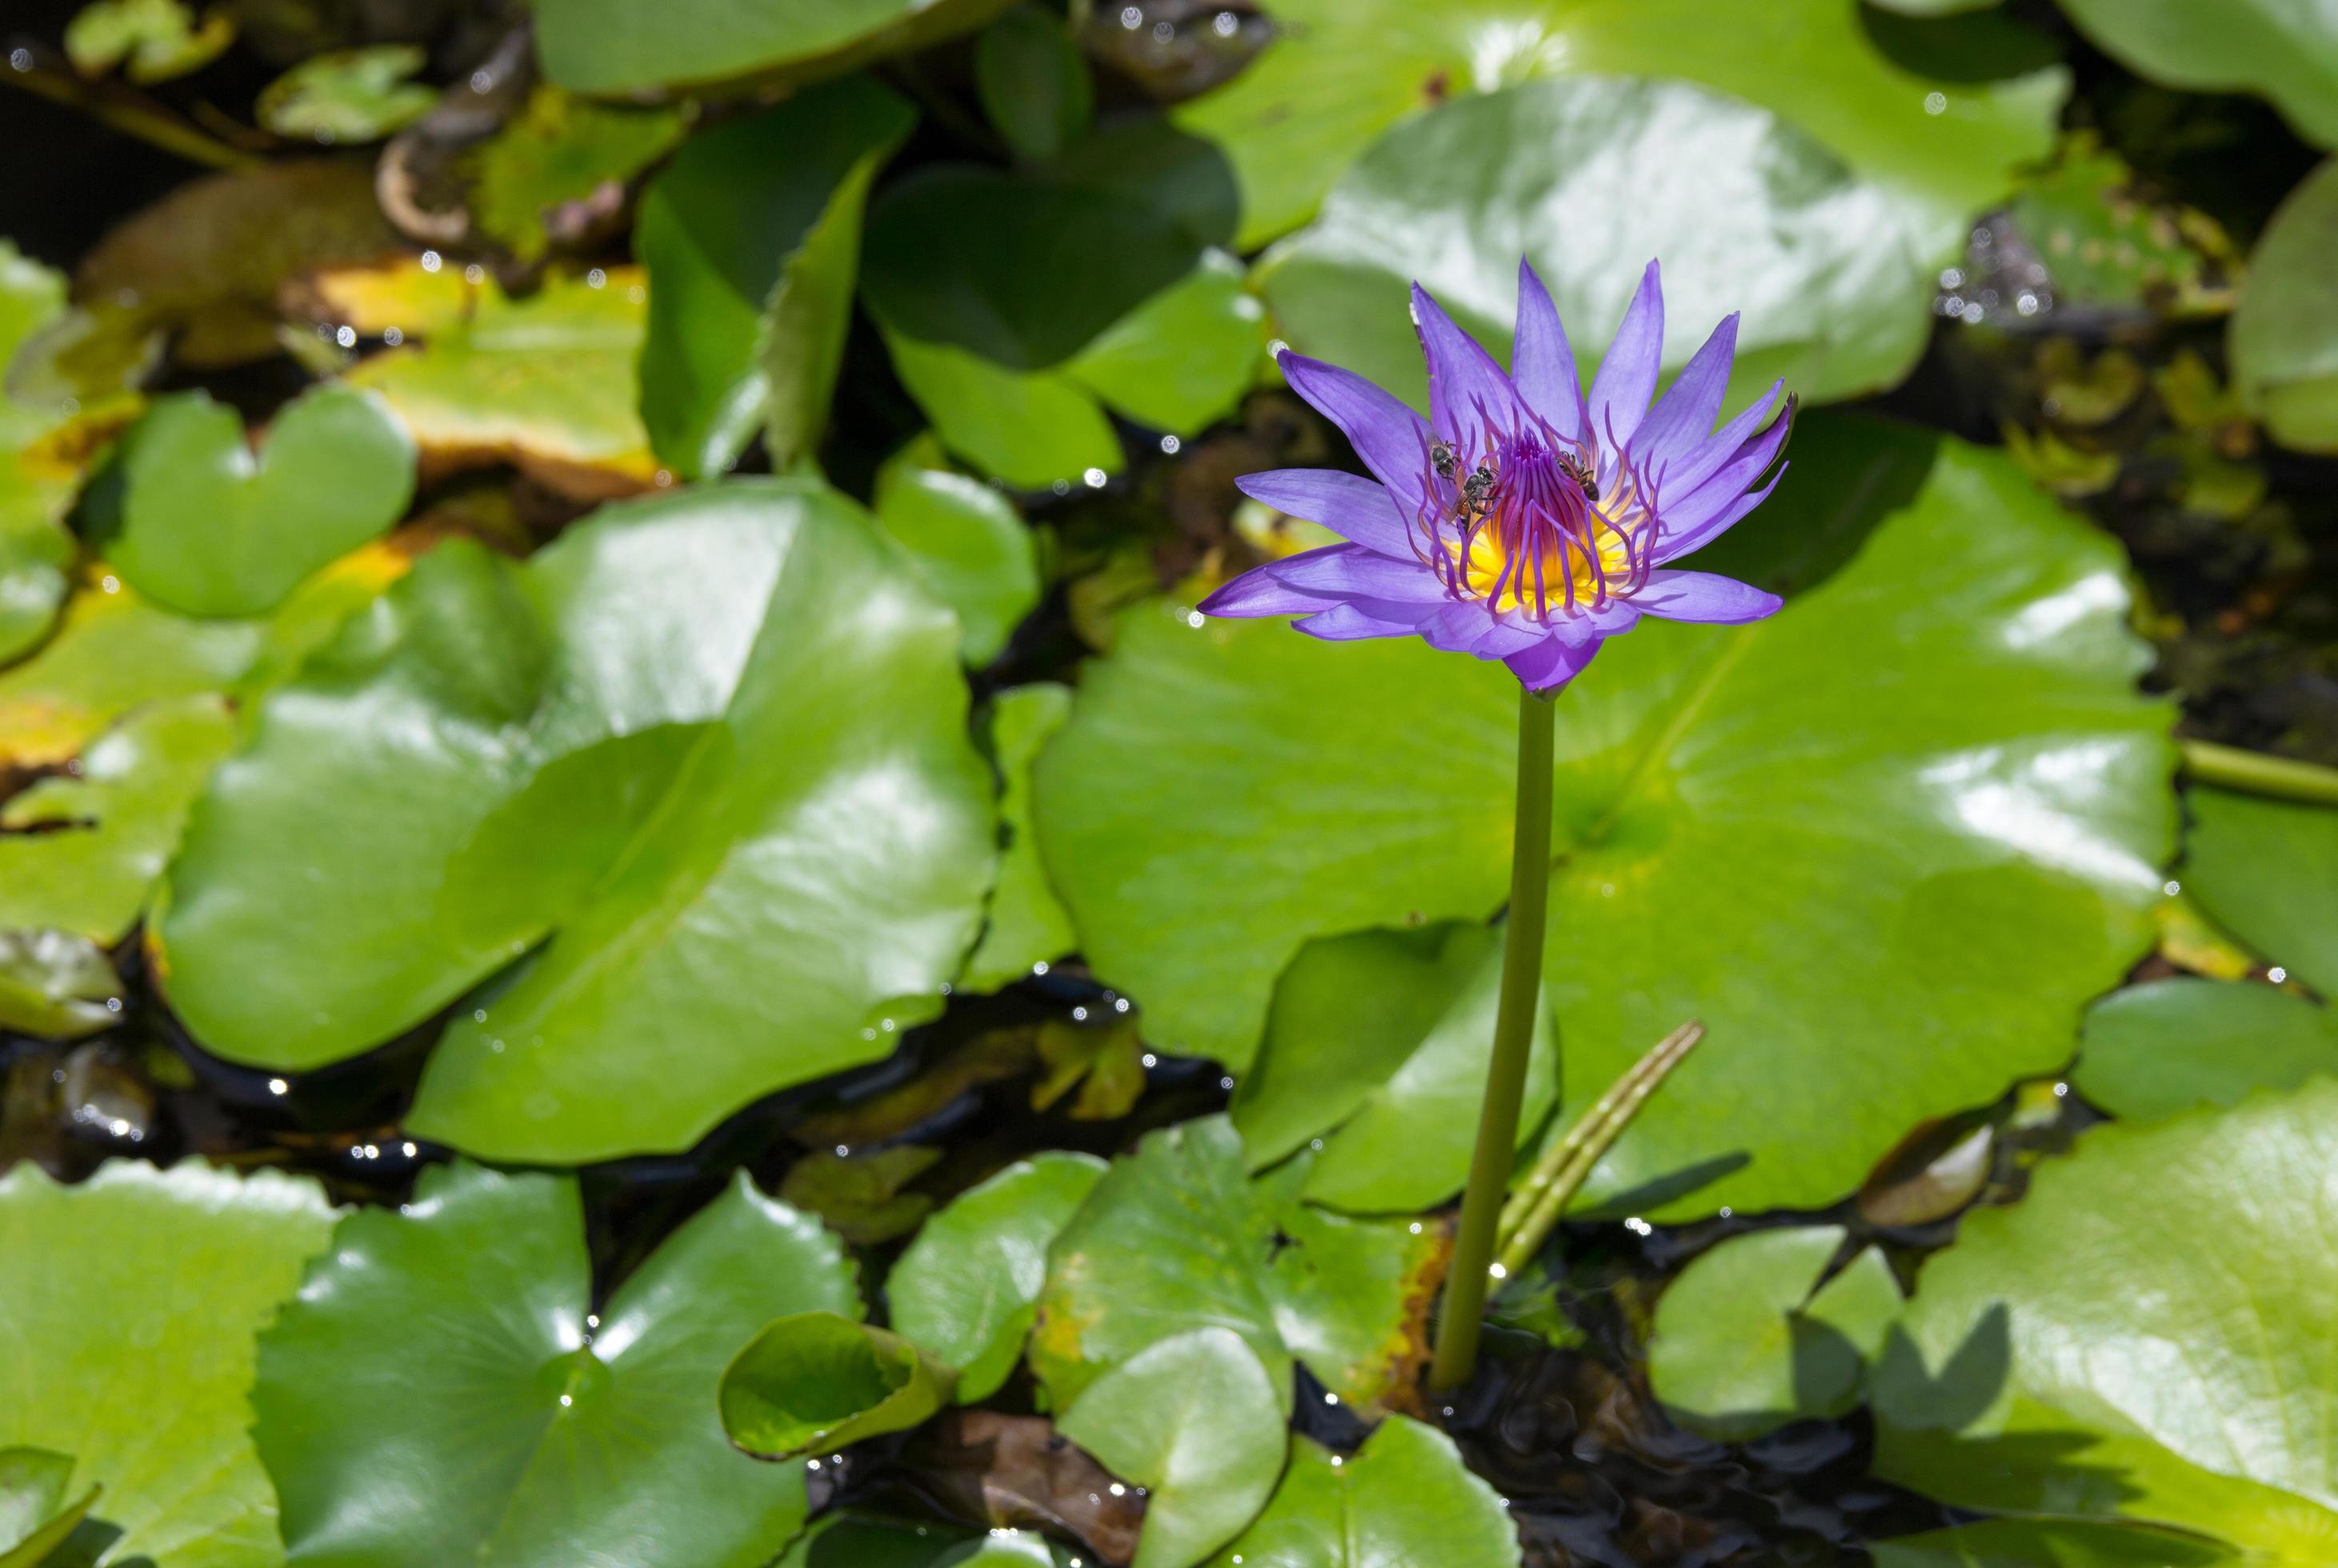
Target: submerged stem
[[2260, 773], [1506, 1075]]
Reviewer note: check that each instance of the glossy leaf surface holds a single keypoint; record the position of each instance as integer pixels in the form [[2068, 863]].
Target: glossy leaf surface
[[2280, 50], [619, 47], [1341, 73], [131, 1301], [1746, 1338], [2268, 872], [519, 743], [2157, 1050], [966, 1289], [2140, 1338], [817, 1380], [1178, 1236], [210, 529], [80, 853], [1196, 1421], [546, 382], [1405, 1497], [2284, 339], [1747, 213], [442, 1392], [726, 233], [1379, 1042], [1027, 924], [964, 541]]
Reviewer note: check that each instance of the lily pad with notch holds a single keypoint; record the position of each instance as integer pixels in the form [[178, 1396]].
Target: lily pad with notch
[[586, 1428], [209, 528]]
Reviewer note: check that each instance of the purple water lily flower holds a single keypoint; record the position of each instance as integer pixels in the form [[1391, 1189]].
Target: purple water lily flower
[[1522, 521]]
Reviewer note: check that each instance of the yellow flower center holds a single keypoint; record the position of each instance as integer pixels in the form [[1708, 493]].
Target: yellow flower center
[[1564, 563]]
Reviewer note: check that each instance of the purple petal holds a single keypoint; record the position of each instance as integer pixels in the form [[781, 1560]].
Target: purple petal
[[1350, 623], [1389, 438], [1468, 392], [1352, 572], [1542, 365], [1716, 506], [1349, 504], [1705, 596], [1465, 626], [1627, 374], [1551, 663], [1261, 591], [1684, 413], [1681, 476]]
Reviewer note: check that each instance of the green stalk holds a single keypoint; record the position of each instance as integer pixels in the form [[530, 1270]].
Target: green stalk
[[2284, 777], [1527, 1218], [131, 113], [1460, 1317]]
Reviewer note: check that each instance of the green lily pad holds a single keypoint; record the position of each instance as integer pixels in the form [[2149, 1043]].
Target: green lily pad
[[612, 46], [818, 1380], [964, 541], [348, 95], [1196, 1421], [1177, 362], [1831, 272], [1405, 1497], [750, 237], [54, 986], [442, 1391], [2267, 871], [2051, 1543], [1179, 1236], [1962, 685], [1026, 268], [562, 150], [2284, 338], [114, 651], [1033, 82], [106, 834], [1376, 1050], [1747, 1339], [967, 1289], [1031, 429], [130, 1308], [2285, 53], [210, 529], [152, 40], [2141, 1337], [546, 382], [1340, 72], [36, 1513], [2158, 1050], [35, 493], [1027, 925], [507, 762]]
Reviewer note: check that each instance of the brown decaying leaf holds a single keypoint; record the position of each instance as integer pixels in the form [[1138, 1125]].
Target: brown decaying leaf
[[205, 261], [1015, 1472]]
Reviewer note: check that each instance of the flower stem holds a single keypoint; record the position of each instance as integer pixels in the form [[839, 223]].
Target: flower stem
[[2260, 773], [1506, 1075]]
